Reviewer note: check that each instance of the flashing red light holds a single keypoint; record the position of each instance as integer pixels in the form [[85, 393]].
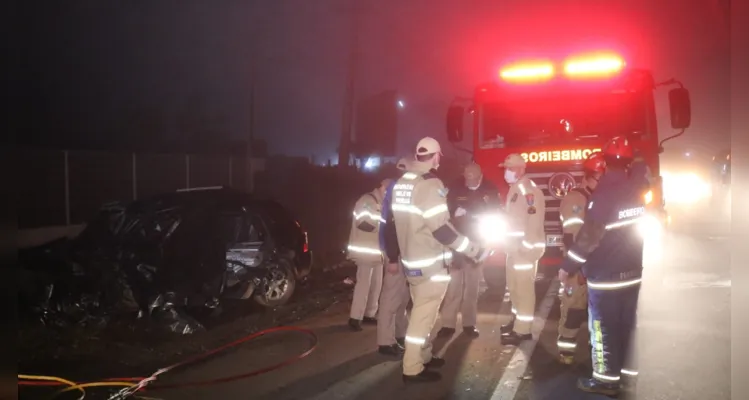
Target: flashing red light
[[527, 72], [593, 65]]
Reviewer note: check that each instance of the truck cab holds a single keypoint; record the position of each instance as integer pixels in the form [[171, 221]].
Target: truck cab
[[554, 113]]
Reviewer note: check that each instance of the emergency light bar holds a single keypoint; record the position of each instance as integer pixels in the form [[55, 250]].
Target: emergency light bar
[[528, 72], [595, 65], [586, 66]]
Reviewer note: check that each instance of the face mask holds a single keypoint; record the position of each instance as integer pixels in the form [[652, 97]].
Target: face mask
[[477, 185], [510, 176]]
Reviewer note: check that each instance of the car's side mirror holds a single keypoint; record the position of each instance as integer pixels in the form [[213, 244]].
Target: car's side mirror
[[455, 124], [681, 108]]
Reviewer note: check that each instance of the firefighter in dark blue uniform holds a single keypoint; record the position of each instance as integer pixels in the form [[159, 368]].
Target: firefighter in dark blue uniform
[[609, 249]]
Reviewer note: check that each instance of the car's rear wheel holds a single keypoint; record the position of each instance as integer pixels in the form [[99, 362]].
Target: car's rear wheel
[[277, 286]]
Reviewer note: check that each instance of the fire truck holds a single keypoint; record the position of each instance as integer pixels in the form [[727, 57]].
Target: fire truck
[[554, 113]]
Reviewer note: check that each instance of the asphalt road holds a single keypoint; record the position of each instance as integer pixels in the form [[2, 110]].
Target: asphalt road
[[346, 365], [683, 346], [683, 328]]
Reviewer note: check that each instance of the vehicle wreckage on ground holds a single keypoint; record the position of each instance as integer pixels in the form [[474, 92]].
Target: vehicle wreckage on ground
[[166, 256]]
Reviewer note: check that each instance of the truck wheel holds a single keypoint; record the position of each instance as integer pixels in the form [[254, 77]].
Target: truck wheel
[[494, 276], [277, 286]]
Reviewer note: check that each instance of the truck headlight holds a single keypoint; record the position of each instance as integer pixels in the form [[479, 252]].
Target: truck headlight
[[650, 227], [492, 227], [684, 188]]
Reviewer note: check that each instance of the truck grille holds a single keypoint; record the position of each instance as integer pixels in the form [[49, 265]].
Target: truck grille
[[552, 222]]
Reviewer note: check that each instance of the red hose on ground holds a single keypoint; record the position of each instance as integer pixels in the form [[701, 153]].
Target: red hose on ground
[[208, 354]]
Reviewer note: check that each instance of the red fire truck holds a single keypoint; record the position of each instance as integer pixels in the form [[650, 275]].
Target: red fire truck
[[556, 112]]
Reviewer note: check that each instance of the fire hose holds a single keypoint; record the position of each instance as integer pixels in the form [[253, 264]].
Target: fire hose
[[132, 385]]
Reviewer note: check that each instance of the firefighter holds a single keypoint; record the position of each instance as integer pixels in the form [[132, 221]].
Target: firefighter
[[392, 319], [425, 237], [574, 302], [466, 199], [526, 208], [365, 251], [609, 250]]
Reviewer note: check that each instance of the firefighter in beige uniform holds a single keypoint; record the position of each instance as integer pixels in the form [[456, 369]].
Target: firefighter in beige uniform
[[364, 250], [574, 301], [425, 238], [526, 244]]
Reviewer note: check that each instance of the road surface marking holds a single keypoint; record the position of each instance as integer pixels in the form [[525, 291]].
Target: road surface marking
[[366, 380], [513, 374]]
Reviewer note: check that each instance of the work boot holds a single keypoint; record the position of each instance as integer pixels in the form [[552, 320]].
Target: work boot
[[592, 385], [369, 321], [425, 376], [401, 341], [508, 327], [446, 332], [435, 363], [471, 331], [392, 350], [514, 339], [354, 324]]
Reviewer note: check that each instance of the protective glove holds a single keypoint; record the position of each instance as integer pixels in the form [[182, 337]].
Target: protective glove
[[460, 212], [482, 255]]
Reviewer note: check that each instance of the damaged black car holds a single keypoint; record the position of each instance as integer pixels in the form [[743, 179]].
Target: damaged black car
[[164, 256]]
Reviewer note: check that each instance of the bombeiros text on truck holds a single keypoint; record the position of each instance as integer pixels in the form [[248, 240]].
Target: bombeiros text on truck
[[554, 113]]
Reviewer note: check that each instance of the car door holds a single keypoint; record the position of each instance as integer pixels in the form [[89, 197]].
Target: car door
[[244, 250]]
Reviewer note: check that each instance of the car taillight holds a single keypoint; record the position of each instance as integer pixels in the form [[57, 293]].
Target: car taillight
[[305, 248]]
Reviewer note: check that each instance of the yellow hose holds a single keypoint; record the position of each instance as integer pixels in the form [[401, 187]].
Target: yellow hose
[[79, 386]]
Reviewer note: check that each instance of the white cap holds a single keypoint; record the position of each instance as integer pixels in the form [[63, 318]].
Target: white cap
[[428, 145], [513, 160]]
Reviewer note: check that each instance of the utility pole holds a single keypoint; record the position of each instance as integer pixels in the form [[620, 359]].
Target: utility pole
[[251, 133], [347, 119]]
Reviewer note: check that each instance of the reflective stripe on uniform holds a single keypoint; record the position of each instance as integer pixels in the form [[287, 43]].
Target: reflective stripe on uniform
[[463, 245], [410, 176], [436, 210], [629, 372], [531, 246], [427, 262], [572, 221], [416, 340], [566, 345], [524, 318], [522, 267], [364, 250], [409, 208], [575, 257], [627, 217], [440, 278], [367, 214], [613, 285], [412, 209], [620, 224], [606, 378]]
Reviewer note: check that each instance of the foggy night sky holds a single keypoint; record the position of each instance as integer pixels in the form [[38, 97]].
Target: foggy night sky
[[94, 60]]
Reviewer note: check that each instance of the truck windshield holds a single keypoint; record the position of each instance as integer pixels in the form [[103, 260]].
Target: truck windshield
[[562, 120]]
